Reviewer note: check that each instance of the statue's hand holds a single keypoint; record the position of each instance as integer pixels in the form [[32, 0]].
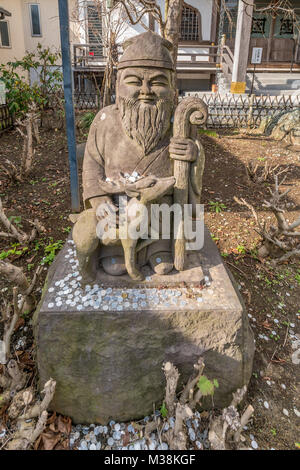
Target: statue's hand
[[151, 188], [108, 220], [105, 209], [183, 149], [112, 187], [134, 189]]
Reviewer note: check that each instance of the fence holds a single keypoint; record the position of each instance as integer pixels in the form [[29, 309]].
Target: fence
[[224, 110], [245, 110], [86, 100], [6, 119]]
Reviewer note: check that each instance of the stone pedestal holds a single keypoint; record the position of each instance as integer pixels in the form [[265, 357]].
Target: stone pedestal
[[105, 345]]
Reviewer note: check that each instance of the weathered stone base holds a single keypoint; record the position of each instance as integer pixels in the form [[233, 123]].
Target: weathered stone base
[[105, 346]]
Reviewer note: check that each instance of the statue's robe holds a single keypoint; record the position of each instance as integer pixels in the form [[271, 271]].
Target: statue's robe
[[110, 151]]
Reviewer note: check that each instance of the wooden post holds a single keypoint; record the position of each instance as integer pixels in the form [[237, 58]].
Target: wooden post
[[250, 115], [270, 38], [241, 48]]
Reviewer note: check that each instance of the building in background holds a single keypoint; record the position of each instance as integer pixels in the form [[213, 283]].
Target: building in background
[[29, 24], [207, 50], [36, 22], [196, 67], [275, 33]]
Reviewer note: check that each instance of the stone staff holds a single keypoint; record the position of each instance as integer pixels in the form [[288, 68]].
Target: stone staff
[[190, 113]]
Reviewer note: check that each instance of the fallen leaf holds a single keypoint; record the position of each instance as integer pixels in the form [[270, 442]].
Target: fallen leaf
[[51, 418], [126, 438], [267, 325], [64, 445], [19, 323], [50, 440], [150, 427], [37, 443], [53, 427], [64, 424]]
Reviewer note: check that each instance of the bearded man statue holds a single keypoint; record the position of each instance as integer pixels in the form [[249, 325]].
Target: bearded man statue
[[130, 147]]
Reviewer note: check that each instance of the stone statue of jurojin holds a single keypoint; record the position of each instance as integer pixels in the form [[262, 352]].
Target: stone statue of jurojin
[[131, 151]]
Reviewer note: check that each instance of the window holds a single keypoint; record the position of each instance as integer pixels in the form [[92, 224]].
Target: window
[[286, 26], [259, 26], [229, 19], [4, 34], [35, 19], [94, 30], [190, 28]]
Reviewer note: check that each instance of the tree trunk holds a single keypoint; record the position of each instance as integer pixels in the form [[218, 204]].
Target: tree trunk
[[173, 25]]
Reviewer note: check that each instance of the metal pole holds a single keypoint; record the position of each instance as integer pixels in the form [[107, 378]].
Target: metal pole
[[69, 108]]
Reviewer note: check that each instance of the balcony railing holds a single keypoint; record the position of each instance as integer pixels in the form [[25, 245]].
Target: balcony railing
[[202, 57]]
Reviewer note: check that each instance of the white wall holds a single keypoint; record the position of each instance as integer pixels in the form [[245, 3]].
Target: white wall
[[130, 30], [49, 18], [204, 7], [16, 32]]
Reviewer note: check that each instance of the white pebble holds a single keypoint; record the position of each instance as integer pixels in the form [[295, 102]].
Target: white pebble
[[192, 434], [254, 445], [199, 445], [163, 446], [83, 445], [297, 413], [130, 428], [266, 405], [285, 412]]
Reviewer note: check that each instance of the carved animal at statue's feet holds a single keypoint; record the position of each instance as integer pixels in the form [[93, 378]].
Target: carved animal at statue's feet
[[87, 242], [147, 195]]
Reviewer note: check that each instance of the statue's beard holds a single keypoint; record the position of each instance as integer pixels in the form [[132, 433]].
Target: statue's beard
[[145, 123]]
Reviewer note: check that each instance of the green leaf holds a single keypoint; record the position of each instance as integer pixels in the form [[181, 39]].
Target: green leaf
[[208, 132], [216, 383], [206, 386], [163, 410]]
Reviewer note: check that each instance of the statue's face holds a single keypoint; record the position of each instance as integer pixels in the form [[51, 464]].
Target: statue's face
[[145, 98], [148, 85]]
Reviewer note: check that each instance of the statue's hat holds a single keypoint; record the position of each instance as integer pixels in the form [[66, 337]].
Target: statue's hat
[[148, 50]]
